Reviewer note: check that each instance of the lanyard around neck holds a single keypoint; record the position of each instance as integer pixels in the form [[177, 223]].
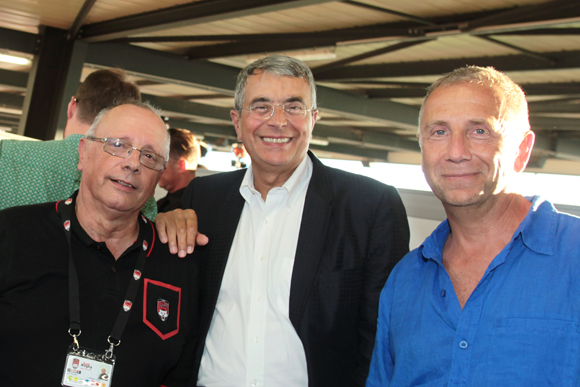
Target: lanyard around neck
[[65, 210]]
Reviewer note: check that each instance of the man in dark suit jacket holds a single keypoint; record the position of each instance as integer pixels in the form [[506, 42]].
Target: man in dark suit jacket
[[349, 234]]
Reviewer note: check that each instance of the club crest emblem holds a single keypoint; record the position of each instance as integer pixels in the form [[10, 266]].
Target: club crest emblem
[[75, 363], [163, 309], [68, 202], [145, 244], [127, 305], [144, 219], [136, 274], [67, 225]]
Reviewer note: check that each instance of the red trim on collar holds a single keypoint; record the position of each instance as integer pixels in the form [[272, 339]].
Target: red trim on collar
[[152, 239]]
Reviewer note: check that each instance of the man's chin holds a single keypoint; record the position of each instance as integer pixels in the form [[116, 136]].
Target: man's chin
[[458, 199]]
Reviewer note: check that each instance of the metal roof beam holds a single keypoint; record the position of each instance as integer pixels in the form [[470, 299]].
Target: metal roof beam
[[544, 31], [370, 54], [543, 11], [419, 91], [505, 63], [555, 123], [187, 108], [14, 79], [11, 101], [391, 12], [80, 19], [18, 41], [185, 15], [211, 76]]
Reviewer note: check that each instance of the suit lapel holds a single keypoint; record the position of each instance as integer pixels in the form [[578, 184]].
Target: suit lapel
[[225, 226], [311, 239]]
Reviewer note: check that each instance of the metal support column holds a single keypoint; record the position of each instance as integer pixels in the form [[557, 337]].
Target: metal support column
[[56, 62]]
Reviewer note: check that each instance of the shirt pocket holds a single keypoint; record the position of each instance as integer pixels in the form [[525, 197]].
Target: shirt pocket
[[533, 352], [161, 308]]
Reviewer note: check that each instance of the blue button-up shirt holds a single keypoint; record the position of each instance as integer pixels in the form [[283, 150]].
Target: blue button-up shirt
[[519, 327]]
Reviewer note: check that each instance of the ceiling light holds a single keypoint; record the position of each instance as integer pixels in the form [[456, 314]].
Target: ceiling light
[[14, 59]]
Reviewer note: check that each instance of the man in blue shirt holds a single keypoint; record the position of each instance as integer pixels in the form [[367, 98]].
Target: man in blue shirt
[[490, 298]]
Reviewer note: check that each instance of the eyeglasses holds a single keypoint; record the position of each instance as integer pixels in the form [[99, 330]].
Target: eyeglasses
[[266, 110], [120, 148]]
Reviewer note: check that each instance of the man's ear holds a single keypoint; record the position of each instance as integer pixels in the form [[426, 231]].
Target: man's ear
[[524, 151], [181, 165], [236, 121], [72, 107], [82, 150]]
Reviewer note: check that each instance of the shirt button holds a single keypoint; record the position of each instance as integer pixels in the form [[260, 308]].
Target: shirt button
[[254, 383], [443, 293], [113, 269], [259, 298], [266, 220], [261, 257], [256, 339], [463, 344]]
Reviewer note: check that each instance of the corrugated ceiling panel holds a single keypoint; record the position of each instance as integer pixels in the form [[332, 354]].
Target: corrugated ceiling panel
[[433, 8]]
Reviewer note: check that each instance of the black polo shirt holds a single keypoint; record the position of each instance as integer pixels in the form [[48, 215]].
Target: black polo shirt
[[34, 303]]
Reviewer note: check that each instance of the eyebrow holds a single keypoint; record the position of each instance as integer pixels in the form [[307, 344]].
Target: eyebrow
[[473, 121], [146, 147], [289, 99]]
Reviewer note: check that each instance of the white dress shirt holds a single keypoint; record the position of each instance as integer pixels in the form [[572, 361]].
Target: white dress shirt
[[251, 341]]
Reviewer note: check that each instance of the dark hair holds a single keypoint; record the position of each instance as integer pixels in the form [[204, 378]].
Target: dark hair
[[280, 65], [184, 145], [103, 89]]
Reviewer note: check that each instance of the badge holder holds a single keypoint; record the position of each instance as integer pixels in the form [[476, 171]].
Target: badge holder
[[87, 367], [84, 367]]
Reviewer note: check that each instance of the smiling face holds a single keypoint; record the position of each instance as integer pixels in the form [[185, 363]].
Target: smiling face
[[118, 183], [277, 144], [466, 155]]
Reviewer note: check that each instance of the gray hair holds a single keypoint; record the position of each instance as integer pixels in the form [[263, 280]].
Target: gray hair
[[513, 108], [279, 65], [144, 105]]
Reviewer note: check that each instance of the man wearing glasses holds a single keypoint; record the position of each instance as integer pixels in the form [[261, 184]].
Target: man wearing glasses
[[297, 252], [86, 289], [44, 171]]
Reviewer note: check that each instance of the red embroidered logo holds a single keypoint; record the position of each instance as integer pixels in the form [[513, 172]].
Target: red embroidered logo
[[163, 309]]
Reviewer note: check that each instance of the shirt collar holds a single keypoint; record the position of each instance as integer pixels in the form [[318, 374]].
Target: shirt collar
[[294, 186], [539, 227], [145, 239], [538, 231]]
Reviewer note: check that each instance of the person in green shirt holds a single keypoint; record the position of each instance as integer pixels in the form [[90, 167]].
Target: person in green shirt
[[43, 171]]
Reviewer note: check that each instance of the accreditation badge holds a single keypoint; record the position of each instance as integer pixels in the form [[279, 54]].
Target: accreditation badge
[[86, 367]]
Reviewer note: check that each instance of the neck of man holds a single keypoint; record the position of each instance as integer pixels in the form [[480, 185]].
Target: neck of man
[[265, 180], [117, 229], [184, 180], [75, 126], [485, 230]]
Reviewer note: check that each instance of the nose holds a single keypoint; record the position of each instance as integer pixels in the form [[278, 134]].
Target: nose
[[278, 117], [458, 148], [131, 162]]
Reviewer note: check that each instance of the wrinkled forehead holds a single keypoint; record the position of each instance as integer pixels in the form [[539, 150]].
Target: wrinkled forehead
[[267, 83], [136, 125]]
